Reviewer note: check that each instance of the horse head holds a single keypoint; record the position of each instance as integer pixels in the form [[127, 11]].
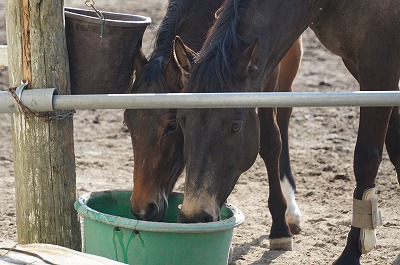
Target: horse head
[[219, 144], [156, 137]]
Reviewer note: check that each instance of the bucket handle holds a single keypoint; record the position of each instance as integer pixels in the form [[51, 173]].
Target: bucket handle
[[92, 4]]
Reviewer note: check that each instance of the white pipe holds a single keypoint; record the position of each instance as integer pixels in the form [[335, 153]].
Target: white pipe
[[42, 100], [227, 100], [37, 100]]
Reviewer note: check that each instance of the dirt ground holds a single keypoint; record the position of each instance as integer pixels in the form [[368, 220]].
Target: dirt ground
[[321, 141]]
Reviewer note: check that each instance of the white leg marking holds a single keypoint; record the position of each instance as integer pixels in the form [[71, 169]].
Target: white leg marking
[[292, 212]]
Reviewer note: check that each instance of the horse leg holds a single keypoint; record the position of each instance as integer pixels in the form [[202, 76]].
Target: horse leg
[[393, 140], [393, 134], [368, 154], [270, 149], [288, 69], [288, 183], [367, 157]]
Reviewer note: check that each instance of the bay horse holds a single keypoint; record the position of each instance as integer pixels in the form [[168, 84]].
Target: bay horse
[[241, 52], [156, 137]]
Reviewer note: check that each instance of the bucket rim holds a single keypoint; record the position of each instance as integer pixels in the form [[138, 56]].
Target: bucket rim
[[81, 207], [91, 17]]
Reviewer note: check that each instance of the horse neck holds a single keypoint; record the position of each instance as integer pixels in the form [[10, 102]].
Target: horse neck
[[189, 19], [196, 23], [277, 24]]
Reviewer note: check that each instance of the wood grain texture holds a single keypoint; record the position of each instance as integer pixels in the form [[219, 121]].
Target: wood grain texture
[[44, 160]]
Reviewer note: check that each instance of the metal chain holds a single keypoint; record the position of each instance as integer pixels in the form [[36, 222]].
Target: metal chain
[[92, 4], [44, 116], [89, 3], [63, 116]]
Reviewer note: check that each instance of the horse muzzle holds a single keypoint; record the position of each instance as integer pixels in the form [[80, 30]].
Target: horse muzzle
[[201, 217], [152, 212], [199, 209]]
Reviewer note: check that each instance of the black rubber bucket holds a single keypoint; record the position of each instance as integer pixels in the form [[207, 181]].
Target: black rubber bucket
[[101, 51]]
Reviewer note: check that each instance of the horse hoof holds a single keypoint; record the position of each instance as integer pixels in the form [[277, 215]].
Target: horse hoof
[[295, 229], [284, 243]]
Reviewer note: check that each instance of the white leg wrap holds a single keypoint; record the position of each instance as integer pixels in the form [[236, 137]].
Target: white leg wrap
[[367, 217]]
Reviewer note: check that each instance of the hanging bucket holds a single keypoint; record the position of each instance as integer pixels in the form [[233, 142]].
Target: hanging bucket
[[101, 51]]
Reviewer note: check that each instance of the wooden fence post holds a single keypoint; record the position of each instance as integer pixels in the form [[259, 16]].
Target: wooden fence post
[[44, 160]]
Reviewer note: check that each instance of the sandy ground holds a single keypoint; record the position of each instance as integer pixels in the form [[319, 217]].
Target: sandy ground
[[321, 139]]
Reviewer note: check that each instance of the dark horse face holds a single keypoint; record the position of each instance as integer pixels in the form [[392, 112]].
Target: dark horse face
[[220, 144], [156, 137]]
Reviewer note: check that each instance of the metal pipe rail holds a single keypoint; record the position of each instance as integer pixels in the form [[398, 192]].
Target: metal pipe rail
[[43, 100]]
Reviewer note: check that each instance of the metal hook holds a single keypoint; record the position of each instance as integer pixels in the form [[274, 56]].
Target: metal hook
[[91, 3]]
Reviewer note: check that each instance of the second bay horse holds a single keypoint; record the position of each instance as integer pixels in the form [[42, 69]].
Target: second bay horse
[[242, 51]]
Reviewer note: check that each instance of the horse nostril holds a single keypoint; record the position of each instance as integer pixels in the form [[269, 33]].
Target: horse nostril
[[182, 218], [205, 217], [152, 212]]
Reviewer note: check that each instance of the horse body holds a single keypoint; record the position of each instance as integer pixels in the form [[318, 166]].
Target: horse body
[[242, 53]]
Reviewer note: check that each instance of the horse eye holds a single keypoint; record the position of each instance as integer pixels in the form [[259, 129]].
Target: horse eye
[[236, 127], [172, 126]]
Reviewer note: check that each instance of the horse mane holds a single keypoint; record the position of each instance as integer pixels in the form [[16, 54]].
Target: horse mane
[[214, 66], [178, 11]]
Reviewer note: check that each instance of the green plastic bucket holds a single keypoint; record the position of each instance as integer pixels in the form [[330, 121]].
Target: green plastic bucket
[[111, 231]]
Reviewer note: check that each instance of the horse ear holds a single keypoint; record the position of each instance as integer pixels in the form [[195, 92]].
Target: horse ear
[[139, 62], [183, 55], [173, 69], [179, 66], [247, 61]]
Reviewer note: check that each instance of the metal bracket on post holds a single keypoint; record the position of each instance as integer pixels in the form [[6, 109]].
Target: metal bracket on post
[[28, 101], [17, 95], [20, 88]]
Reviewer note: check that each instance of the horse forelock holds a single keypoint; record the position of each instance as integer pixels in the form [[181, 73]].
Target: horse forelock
[[152, 73], [214, 68]]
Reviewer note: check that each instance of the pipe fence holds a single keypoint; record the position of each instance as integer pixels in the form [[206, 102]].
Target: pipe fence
[[47, 99], [44, 100]]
